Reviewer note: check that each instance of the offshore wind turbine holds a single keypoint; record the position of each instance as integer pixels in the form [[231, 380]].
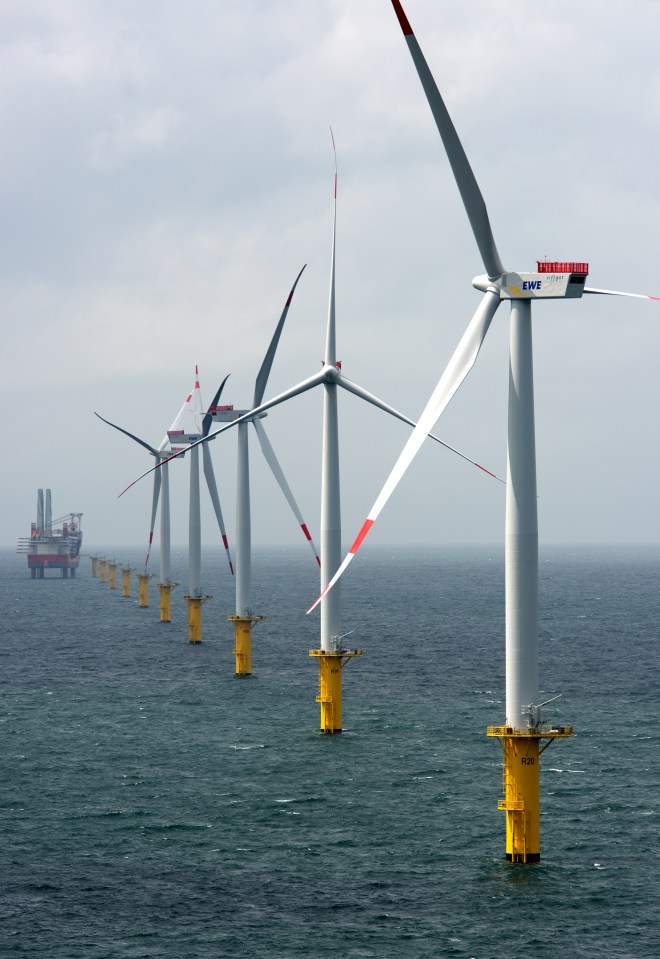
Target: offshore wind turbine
[[332, 654], [161, 491], [244, 616], [194, 598], [523, 729]]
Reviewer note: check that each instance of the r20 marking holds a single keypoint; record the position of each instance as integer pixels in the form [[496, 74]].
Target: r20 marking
[[528, 760]]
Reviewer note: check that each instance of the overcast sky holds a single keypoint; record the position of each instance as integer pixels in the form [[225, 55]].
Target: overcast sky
[[166, 172]]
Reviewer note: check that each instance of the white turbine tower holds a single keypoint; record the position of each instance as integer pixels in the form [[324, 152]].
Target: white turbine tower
[[332, 655], [523, 728]]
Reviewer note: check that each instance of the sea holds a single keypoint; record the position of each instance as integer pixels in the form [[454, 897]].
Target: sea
[[153, 806]]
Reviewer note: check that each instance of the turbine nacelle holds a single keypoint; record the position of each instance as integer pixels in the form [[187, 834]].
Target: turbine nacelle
[[554, 280], [229, 415], [225, 414], [180, 436]]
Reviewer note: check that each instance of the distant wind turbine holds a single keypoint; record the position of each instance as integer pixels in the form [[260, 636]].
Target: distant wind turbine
[[161, 481], [194, 598], [244, 616]]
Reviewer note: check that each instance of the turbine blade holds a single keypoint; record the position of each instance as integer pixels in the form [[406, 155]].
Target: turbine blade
[[330, 338], [154, 510], [208, 419], [132, 436], [347, 384], [175, 423], [271, 459], [302, 387], [197, 407], [457, 369], [637, 296], [473, 200], [215, 499], [264, 372]]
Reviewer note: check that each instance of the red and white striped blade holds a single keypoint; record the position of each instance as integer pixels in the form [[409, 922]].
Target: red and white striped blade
[[197, 395], [457, 369], [215, 499], [637, 296], [175, 425], [276, 469]]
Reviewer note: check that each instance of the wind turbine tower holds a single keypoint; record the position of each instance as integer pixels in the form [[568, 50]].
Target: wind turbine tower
[[244, 616], [143, 588], [331, 656], [126, 571]]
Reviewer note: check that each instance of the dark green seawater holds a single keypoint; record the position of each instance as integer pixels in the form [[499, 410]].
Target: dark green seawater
[[154, 806]]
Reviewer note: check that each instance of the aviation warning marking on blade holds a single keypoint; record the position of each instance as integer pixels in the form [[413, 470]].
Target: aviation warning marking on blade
[[402, 18], [308, 537]]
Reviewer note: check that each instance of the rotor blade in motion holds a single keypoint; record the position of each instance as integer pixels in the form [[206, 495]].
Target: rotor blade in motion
[[271, 459], [197, 407], [208, 419], [347, 384], [473, 200], [457, 369], [215, 499], [132, 435], [154, 511], [156, 491], [637, 296], [264, 372], [175, 424], [330, 336]]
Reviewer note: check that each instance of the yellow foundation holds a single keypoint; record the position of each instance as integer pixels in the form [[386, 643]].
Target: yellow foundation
[[112, 575], [330, 691], [95, 566], [103, 570], [243, 642], [143, 589], [521, 751], [165, 601], [126, 581], [195, 604]]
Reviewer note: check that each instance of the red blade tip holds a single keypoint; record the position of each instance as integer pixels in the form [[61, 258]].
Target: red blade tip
[[402, 18]]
